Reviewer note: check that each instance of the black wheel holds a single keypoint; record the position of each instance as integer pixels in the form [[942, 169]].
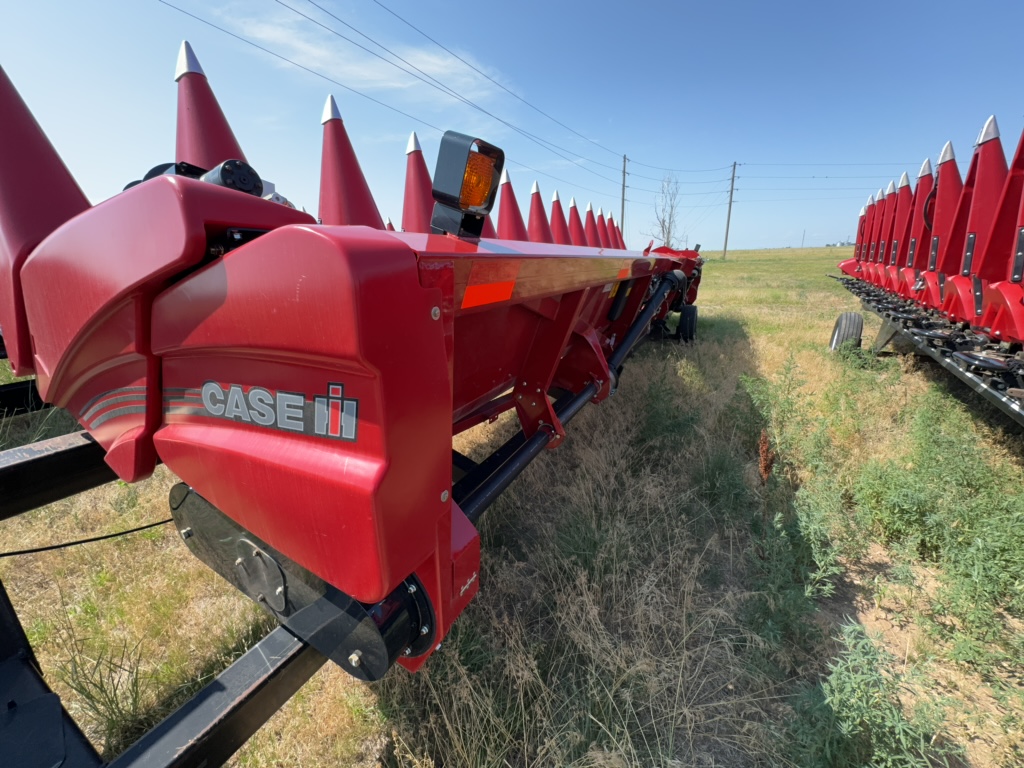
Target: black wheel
[[849, 327], [687, 323]]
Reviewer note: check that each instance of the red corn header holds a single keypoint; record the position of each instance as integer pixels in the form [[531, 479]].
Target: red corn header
[[943, 264], [304, 377]]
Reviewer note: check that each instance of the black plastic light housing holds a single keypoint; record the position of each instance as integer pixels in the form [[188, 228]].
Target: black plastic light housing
[[463, 194]]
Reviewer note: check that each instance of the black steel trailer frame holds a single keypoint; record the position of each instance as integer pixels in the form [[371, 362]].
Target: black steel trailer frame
[[896, 324]]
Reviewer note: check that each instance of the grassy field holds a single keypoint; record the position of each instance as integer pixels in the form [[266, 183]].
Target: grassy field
[[757, 554]]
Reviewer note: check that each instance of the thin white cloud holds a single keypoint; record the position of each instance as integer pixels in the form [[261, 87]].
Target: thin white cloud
[[302, 41]]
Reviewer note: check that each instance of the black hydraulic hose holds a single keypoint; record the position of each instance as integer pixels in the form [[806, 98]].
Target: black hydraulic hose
[[929, 203], [480, 498], [670, 281], [484, 494]]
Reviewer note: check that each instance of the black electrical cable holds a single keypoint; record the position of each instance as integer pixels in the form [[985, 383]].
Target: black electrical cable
[[67, 544]]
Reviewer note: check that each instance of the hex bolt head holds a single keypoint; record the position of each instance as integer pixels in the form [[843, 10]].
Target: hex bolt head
[[279, 591], [444, 495], [238, 562], [355, 658], [186, 533], [435, 313], [407, 652], [425, 629], [411, 588], [261, 598]]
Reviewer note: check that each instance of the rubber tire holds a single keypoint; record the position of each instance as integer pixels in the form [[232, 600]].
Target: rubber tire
[[688, 322], [849, 327]]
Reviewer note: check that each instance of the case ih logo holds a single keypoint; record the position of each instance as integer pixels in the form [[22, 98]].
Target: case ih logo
[[331, 416]]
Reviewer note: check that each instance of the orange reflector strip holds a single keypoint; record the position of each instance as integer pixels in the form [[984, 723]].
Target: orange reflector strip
[[624, 273], [487, 293]]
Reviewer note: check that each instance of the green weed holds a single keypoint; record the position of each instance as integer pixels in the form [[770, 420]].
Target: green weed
[[855, 718]]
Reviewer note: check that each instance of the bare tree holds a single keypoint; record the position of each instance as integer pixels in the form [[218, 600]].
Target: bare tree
[[666, 210]]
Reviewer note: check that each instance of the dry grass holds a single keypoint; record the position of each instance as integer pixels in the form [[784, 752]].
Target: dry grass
[[648, 595], [607, 631]]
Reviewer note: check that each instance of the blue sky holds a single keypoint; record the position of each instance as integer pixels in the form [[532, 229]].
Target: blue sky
[[822, 103]]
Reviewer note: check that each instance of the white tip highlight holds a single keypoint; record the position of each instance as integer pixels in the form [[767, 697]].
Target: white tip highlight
[[554, 197], [504, 177], [891, 189], [947, 153], [330, 110], [572, 202], [600, 212], [590, 207], [187, 62], [926, 169], [863, 211], [535, 190], [871, 200], [413, 145], [879, 195], [904, 180], [989, 131]]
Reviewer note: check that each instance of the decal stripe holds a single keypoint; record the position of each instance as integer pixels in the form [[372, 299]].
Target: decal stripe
[[487, 293], [132, 409], [102, 395], [109, 401]]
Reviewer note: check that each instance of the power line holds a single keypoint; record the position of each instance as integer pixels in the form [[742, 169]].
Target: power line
[[451, 92], [419, 120], [795, 199], [414, 118], [808, 189], [822, 165], [873, 176], [539, 110], [555, 178], [448, 91], [507, 90], [703, 217], [685, 207], [681, 170]]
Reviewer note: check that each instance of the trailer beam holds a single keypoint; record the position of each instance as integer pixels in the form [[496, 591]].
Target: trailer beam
[[20, 397], [218, 720], [40, 473], [1008, 405]]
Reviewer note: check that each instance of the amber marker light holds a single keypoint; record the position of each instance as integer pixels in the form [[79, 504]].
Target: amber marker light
[[465, 184], [476, 183]]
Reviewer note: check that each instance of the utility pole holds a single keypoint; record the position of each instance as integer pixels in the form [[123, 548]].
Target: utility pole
[[728, 216], [622, 208], [802, 238]]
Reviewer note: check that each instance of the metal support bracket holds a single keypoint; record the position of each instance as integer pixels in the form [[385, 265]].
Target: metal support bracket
[[886, 334]]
